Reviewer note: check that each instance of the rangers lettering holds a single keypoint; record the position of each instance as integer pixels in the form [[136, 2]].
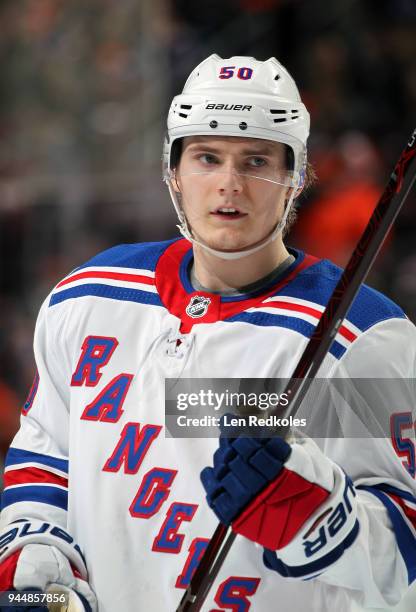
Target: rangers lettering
[[232, 593], [108, 405], [152, 492], [196, 550], [168, 540], [132, 447], [96, 353]]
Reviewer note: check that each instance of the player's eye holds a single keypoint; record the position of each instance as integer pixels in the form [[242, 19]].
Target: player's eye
[[208, 158], [257, 162]]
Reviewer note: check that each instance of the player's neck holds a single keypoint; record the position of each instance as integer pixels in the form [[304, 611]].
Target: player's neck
[[219, 274]]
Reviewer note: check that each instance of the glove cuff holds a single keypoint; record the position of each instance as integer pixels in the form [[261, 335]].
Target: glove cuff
[[20, 533], [325, 535]]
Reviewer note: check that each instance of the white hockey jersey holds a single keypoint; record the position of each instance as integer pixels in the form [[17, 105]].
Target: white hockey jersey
[[92, 455]]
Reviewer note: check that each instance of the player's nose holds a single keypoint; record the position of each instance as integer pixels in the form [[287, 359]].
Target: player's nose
[[229, 181]]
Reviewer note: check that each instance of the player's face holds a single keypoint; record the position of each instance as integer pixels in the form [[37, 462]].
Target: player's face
[[233, 190]]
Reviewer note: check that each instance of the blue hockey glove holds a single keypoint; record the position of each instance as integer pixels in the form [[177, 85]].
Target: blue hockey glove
[[290, 498]]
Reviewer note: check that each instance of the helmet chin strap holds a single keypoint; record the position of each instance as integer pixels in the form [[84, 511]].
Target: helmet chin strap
[[186, 231]]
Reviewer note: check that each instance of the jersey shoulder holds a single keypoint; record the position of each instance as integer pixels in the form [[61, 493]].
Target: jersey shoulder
[[316, 283], [125, 272], [141, 256]]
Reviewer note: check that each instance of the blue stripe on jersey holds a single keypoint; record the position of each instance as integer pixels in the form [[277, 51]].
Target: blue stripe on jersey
[[404, 536], [266, 319], [272, 562], [46, 495], [16, 455], [399, 492], [143, 255], [107, 291], [316, 284]]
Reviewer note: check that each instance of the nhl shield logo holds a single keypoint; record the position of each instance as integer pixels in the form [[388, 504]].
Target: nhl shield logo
[[198, 306]]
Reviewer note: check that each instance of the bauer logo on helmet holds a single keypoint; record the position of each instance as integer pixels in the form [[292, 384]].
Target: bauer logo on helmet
[[237, 107]]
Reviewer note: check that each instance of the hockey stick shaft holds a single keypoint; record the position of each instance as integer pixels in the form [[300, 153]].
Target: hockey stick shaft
[[357, 269]]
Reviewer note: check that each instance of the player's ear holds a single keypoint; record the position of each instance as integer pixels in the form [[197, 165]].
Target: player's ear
[[175, 181]]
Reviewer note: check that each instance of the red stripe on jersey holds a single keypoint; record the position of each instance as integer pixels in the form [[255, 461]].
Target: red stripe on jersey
[[122, 276], [31, 475], [349, 335], [409, 512], [176, 299]]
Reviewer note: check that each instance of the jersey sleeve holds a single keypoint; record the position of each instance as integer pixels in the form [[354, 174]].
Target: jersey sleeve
[[36, 465], [378, 452]]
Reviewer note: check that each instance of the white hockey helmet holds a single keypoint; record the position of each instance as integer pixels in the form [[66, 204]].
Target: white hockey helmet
[[238, 96]]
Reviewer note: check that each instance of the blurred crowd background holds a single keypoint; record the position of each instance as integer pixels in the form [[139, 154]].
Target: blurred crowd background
[[85, 91]]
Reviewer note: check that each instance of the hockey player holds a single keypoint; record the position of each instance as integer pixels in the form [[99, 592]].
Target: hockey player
[[99, 502]]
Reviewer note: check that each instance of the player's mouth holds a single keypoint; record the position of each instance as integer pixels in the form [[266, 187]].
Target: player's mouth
[[228, 213]]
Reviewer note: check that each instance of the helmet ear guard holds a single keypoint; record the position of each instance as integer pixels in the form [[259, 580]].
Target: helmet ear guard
[[238, 97]]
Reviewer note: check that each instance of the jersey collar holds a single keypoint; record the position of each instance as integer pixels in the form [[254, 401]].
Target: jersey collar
[[193, 307]]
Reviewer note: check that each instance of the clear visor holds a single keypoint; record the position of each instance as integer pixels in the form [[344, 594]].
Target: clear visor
[[277, 176], [248, 159]]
